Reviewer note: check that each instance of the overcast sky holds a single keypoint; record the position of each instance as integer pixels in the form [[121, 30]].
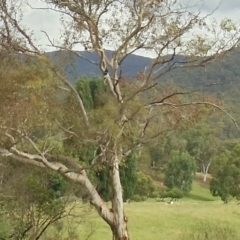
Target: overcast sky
[[38, 20], [227, 8]]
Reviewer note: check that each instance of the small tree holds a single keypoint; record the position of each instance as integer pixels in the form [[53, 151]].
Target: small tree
[[226, 174], [32, 202], [202, 144], [145, 185], [180, 171]]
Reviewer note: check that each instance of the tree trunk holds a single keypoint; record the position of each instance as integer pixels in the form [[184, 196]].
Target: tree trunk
[[205, 171], [119, 227], [114, 217]]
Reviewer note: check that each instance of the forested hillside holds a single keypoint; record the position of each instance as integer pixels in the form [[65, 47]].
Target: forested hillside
[[222, 75], [221, 78]]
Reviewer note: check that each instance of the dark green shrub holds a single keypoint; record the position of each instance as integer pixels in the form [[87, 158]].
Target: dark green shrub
[[145, 185], [138, 198], [154, 194], [174, 194]]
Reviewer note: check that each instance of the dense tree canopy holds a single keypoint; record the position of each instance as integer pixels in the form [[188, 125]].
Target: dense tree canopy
[[226, 174], [180, 171]]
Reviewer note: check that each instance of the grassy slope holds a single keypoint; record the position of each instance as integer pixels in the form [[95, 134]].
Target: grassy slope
[[200, 190], [156, 220]]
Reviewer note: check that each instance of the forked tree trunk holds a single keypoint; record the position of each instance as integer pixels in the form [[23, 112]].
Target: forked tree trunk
[[205, 171], [114, 217], [119, 227]]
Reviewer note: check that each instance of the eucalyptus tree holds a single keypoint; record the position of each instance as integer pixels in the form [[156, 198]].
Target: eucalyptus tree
[[203, 144], [225, 181], [180, 171], [133, 114]]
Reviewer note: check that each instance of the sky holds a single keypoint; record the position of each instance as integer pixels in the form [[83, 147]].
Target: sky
[[48, 21], [227, 8]]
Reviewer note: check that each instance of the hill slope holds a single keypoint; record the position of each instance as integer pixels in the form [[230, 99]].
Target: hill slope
[[74, 66], [225, 71]]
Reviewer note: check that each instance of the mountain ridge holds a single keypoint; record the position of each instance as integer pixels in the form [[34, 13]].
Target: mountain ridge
[[74, 66], [224, 73]]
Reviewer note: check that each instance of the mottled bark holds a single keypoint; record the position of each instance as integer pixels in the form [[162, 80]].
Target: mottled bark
[[119, 227]]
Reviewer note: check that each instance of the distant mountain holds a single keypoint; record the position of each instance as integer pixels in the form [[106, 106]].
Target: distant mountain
[[223, 74], [74, 66]]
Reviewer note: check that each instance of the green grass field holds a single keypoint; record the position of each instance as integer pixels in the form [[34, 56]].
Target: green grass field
[[155, 221], [158, 220]]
